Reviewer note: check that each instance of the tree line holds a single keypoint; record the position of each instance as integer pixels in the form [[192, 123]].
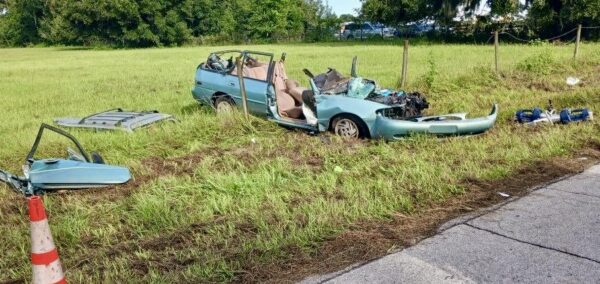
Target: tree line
[[144, 23]]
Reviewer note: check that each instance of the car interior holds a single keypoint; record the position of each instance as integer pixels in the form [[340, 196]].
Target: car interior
[[288, 92]]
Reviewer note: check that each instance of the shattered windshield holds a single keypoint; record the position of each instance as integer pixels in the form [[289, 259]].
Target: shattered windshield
[[360, 88]]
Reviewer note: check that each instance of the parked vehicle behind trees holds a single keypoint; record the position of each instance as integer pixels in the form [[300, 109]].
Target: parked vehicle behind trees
[[351, 30]]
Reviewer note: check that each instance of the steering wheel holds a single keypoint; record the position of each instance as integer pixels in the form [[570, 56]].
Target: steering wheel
[[250, 60]]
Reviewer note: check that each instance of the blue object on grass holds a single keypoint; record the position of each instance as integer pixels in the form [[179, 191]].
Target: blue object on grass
[[528, 115], [567, 116]]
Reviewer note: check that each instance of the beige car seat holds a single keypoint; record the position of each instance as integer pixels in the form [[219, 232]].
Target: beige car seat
[[288, 92]]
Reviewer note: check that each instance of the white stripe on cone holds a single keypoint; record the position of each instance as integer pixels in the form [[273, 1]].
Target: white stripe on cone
[[41, 238], [46, 274]]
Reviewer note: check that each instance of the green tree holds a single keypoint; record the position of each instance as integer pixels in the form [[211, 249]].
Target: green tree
[[394, 12], [550, 17], [118, 22], [21, 21]]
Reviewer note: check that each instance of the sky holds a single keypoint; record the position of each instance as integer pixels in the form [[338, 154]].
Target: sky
[[344, 6]]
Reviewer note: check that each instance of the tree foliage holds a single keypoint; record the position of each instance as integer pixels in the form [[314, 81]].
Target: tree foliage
[[142, 23], [21, 21], [547, 16]]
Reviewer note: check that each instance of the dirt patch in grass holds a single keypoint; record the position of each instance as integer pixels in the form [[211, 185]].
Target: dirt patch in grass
[[155, 167], [371, 239]]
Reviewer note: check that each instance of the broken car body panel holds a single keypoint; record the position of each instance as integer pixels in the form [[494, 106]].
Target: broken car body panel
[[445, 125], [116, 119], [216, 78], [75, 172], [65, 174]]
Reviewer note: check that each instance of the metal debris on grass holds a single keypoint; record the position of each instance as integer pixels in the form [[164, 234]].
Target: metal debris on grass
[[116, 119], [77, 171]]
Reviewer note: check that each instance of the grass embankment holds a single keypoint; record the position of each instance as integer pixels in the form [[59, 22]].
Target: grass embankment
[[209, 204]]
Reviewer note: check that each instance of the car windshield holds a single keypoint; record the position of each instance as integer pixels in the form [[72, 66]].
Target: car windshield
[[360, 88]]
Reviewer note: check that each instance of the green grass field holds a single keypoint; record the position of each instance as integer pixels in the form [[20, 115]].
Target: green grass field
[[209, 204]]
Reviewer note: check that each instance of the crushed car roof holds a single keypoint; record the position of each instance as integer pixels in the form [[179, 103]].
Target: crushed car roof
[[116, 119]]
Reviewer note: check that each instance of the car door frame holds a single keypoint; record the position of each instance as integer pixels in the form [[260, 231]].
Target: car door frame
[[273, 108], [256, 92]]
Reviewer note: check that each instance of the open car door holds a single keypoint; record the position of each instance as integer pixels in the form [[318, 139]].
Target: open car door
[[286, 99], [78, 170]]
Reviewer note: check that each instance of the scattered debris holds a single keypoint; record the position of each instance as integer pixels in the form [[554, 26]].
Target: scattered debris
[[116, 119], [75, 172], [565, 116], [504, 194], [572, 81]]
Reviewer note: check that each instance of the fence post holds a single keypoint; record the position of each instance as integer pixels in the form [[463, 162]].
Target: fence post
[[577, 42], [404, 65], [240, 73], [496, 44]]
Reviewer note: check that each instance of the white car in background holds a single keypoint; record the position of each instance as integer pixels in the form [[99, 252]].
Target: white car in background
[[351, 30]]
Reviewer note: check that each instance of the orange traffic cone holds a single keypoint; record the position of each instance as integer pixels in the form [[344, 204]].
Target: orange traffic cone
[[44, 256]]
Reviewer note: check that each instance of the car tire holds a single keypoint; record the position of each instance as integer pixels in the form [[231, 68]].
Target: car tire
[[349, 126], [224, 104]]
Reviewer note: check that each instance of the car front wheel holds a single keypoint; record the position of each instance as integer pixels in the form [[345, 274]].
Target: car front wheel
[[349, 127]]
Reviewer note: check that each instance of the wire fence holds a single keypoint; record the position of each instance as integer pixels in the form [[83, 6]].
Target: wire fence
[[570, 39], [514, 37], [495, 35]]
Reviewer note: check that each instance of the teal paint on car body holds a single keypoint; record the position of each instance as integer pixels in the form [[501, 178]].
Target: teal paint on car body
[[329, 107], [213, 83], [446, 125], [59, 173]]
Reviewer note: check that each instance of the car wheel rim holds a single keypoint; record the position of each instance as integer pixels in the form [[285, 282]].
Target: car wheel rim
[[346, 128], [224, 107]]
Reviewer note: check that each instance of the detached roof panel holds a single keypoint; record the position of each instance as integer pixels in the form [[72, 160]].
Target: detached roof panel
[[116, 120]]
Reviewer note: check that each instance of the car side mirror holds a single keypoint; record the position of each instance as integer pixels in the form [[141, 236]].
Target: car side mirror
[[283, 56]]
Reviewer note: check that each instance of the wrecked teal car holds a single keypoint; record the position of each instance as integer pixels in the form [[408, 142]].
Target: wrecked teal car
[[348, 106]]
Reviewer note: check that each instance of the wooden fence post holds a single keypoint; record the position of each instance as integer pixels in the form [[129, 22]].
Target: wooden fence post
[[577, 42], [404, 65], [496, 45], [240, 73]]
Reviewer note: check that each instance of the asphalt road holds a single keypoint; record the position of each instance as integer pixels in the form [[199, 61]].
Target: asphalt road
[[549, 236]]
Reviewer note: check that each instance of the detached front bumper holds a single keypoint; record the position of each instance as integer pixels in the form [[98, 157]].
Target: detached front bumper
[[444, 125]]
